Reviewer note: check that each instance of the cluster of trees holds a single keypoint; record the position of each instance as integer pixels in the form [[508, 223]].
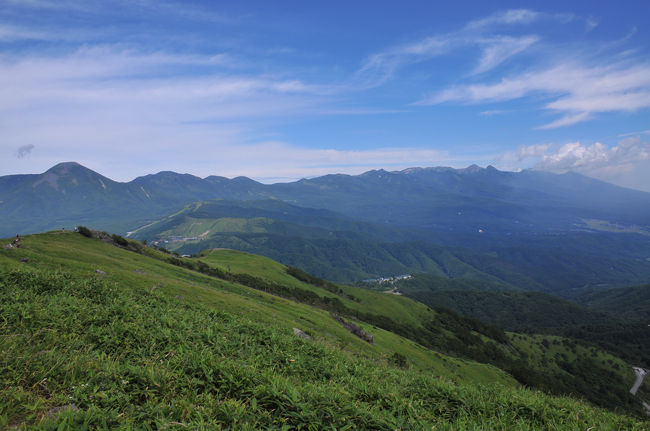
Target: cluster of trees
[[319, 282]]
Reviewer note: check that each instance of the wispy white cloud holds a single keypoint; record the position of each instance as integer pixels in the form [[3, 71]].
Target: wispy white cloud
[[526, 151], [267, 159], [591, 23], [492, 112], [642, 132], [573, 83], [499, 49], [381, 67], [577, 90], [112, 76], [494, 48], [10, 33], [513, 16], [185, 10], [138, 118], [567, 120], [142, 111], [15, 33], [51, 4]]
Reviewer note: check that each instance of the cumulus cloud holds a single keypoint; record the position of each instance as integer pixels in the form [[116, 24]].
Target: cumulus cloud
[[627, 163], [24, 150], [585, 158]]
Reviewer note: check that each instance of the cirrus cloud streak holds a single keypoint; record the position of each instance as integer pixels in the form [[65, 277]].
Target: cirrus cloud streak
[[574, 90]]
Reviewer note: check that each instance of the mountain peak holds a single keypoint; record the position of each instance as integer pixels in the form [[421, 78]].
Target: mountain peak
[[64, 167], [374, 173], [244, 180], [472, 169], [70, 174]]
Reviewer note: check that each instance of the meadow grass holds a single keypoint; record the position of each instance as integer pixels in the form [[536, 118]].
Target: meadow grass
[[143, 344], [82, 257], [133, 358]]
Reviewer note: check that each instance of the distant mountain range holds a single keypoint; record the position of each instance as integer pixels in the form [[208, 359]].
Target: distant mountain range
[[530, 229], [437, 199]]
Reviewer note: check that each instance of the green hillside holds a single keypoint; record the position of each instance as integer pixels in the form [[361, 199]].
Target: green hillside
[[83, 257], [512, 309], [320, 242], [563, 366], [633, 303], [616, 319], [338, 248], [143, 338]]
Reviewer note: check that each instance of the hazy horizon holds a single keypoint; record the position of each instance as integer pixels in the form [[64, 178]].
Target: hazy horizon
[[277, 180]]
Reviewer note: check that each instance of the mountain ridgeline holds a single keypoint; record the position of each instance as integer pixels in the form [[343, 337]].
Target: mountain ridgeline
[[437, 199], [562, 234]]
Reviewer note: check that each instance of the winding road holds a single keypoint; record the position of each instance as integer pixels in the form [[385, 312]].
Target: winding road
[[640, 375]]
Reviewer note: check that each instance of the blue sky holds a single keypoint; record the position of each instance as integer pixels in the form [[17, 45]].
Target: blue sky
[[283, 90]]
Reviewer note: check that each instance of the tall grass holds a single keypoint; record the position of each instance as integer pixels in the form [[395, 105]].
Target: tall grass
[[139, 359]]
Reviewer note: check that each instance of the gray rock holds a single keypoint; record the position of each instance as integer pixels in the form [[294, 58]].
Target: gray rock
[[354, 329], [99, 271], [301, 334], [57, 410]]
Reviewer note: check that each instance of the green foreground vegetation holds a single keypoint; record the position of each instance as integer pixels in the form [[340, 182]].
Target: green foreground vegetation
[[96, 336]]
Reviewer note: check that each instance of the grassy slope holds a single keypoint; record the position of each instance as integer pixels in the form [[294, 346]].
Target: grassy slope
[[83, 257], [133, 358], [183, 289], [564, 366], [401, 309]]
